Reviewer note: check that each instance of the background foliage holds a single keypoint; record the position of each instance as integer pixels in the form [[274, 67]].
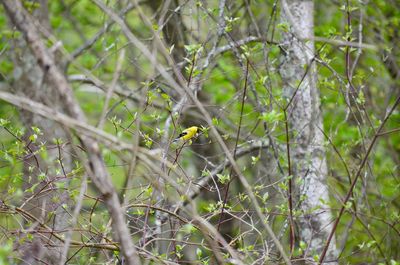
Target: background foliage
[[143, 102]]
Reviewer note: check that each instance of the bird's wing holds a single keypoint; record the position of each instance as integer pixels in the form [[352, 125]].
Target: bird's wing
[[182, 134]]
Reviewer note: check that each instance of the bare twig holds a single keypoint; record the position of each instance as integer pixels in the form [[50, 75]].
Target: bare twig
[[24, 22], [357, 175], [111, 88], [97, 36], [236, 145], [75, 214], [184, 90]]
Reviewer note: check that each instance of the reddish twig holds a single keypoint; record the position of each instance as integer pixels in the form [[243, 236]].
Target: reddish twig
[[357, 175], [236, 144], [290, 192]]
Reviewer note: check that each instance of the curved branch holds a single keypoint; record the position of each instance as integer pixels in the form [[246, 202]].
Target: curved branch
[[96, 167]]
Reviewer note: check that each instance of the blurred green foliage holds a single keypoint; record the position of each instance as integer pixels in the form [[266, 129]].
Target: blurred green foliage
[[75, 22]]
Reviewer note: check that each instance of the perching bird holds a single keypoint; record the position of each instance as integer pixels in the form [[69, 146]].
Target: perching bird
[[187, 134]]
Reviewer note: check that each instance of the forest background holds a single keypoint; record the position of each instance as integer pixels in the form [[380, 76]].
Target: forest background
[[296, 160]]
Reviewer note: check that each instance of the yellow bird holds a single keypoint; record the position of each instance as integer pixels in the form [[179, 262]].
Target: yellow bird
[[187, 134]]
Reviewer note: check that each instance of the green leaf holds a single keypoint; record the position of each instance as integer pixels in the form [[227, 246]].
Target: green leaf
[[192, 48], [33, 138], [4, 122], [284, 26], [215, 121], [199, 253], [271, 117], [254, 159], [223, 179]]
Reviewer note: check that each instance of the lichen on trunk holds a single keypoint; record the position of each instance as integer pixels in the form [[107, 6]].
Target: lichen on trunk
[[309, 167]]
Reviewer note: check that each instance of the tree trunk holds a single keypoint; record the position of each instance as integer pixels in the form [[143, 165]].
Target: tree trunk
[[309, 168]]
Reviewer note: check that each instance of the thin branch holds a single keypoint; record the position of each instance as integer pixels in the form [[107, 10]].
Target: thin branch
[[75, 214], [184, 90], [111, 88], [236, 145], [357, 175]]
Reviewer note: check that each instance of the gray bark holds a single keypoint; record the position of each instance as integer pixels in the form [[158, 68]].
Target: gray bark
[[305, 118]]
